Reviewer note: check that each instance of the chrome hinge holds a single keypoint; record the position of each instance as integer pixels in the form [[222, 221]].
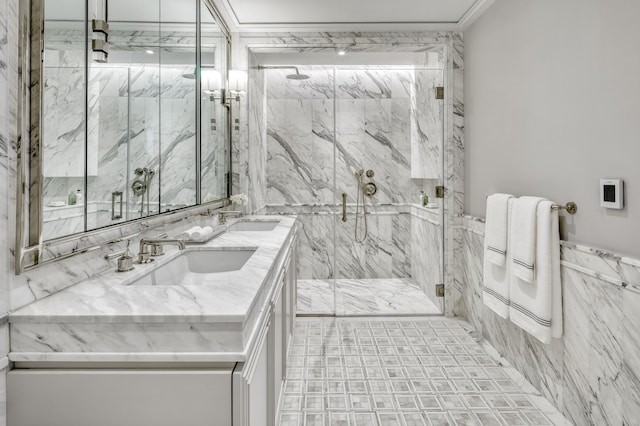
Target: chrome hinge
[[439, 290], [439, 92], [440, 191]]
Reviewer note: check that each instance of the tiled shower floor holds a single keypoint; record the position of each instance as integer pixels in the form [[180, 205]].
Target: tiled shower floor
[[388, 296], [403, 371]]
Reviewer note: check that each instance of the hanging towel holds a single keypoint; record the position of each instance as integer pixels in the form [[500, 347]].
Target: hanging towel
[[495, 237], [537, 306], [523, 237], [495, 292]]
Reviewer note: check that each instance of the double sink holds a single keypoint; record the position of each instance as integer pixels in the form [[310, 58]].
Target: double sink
[[201, 265]]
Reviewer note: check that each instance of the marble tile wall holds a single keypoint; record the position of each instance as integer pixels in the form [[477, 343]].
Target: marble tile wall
[[592, 374], [427, 253], [377, 112], [8, 139]]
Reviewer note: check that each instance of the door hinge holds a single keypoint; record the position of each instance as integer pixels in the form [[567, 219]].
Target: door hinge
[[440, 190], [439, 92], [439, 290]]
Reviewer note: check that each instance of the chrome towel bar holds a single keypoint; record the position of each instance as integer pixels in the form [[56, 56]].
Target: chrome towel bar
[[570, 207]]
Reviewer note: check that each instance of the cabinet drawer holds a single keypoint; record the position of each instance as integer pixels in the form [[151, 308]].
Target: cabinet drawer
[[119, 397]]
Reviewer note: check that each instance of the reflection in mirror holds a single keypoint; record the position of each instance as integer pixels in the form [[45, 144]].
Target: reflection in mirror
[[214, 121], [63, 119], [119, 111]]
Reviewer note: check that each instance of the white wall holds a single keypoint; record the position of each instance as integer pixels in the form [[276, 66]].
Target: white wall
[[552, 102]]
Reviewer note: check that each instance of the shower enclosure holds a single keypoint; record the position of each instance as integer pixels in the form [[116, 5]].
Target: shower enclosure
[[373, 130]]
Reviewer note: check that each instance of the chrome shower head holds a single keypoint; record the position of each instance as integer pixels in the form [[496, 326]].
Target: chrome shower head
[[296, 76]]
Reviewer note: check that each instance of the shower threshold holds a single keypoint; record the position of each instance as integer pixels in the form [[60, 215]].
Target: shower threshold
[[364, 297]]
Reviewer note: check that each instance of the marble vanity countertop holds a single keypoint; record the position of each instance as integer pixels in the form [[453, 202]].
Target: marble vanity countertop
[[109, 299], [105, 319]]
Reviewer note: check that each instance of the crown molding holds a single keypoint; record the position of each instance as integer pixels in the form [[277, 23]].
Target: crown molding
[[227, 13]]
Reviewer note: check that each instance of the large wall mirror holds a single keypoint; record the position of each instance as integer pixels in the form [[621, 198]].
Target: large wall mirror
[[128, 116]]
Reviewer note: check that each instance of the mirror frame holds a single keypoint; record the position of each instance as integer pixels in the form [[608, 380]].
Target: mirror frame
[[30, 249]]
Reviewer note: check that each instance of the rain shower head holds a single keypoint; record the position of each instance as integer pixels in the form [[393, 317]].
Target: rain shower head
[[296, 76]]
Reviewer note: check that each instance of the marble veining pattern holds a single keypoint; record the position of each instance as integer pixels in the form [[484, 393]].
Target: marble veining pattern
[[90, 316], [415, 371], [391, 296], [8, 143], [592, 373]]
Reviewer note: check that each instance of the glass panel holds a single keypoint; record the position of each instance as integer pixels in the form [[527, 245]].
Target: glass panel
[[124, 112], [389, 251], [63, 118], [177, 104], [214, 115], [300, 173]]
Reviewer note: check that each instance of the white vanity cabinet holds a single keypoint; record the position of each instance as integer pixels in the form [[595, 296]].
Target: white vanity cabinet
[[227, 389], [258, 383]]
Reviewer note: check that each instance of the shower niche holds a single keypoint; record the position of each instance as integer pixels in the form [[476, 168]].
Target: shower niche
[[132, 117]]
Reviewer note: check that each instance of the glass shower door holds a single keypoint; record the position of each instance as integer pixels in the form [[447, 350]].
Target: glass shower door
[[388, 152]]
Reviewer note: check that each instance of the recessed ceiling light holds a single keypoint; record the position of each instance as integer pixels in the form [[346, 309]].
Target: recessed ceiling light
[[149, 52], [342, 52]]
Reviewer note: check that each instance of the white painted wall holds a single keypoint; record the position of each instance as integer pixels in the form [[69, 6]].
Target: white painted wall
[[552, 104]]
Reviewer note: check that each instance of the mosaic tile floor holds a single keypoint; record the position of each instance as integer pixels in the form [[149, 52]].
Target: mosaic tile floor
[[387, 296], [403, 371]]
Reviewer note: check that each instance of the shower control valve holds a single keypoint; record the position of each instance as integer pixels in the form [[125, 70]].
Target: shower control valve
[[370, 173], [370, 189]]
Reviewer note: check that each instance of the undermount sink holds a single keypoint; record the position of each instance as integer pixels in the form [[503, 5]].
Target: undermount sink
[[197, 267], [254, 225]]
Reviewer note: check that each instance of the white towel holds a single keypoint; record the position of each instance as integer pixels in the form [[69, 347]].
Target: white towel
[[188, 234], [495, 292], [523, 237], [537, 307], [495, 237], [202, 233]]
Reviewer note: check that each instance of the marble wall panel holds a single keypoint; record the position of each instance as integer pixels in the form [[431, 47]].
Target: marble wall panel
[[249, 148], [427, 136], [426, 250], [8, 140], [591, 373]]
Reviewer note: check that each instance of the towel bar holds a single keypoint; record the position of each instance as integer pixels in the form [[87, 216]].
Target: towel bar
[[570, 207]]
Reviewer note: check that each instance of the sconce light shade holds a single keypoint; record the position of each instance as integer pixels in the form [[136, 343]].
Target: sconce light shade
[[238, 81]]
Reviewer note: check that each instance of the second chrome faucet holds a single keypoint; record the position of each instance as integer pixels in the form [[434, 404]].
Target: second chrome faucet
[[156, 248]]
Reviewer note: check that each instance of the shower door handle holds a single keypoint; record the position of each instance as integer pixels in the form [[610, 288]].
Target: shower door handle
[[344, 206], [116, 195]]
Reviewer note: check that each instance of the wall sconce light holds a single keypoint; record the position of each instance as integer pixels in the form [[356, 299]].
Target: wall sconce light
[[100, 32], [237, 84], [211, 80]]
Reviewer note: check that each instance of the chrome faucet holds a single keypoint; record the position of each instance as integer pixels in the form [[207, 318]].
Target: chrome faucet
[[222, 216], [144, 256]]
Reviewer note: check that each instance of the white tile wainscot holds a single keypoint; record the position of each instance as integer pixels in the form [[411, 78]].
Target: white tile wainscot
[[591, 374], [131, 354]]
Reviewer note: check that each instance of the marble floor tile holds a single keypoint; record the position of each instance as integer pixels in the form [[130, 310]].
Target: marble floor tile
[[359, 297], [384, 371]]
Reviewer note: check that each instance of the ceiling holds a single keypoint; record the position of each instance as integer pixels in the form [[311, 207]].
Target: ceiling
[[350, 15]]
